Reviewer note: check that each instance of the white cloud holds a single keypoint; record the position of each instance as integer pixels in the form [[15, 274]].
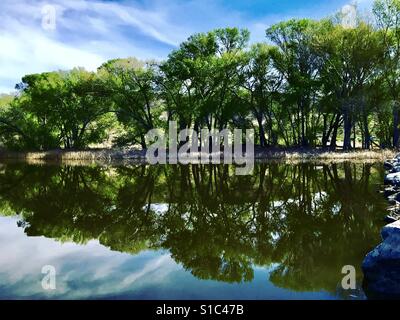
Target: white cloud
[[96, 270], [90, 32], [86, 34], [27, 51]]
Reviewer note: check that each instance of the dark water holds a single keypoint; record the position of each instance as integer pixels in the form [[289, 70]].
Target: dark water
[[187, 232]]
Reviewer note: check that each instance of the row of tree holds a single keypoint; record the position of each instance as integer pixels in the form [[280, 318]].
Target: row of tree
[[311, 84]]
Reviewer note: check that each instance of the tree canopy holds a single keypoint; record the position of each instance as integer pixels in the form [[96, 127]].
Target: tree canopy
[[312, 83]]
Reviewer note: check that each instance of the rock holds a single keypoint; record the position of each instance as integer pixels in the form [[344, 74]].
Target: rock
[[394, 209], [388, 165], [392, 231], [394, 196], [395, 169], [389, 191], [390, 219], [381, 267], [393, 179]]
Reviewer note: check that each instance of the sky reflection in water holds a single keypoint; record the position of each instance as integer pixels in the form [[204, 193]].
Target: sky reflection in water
[[194, 232]]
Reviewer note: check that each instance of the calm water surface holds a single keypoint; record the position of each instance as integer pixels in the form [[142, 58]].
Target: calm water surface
[[187, 232]]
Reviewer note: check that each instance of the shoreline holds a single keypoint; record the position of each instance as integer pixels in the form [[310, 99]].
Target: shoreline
[[260, 155], [381, 266]]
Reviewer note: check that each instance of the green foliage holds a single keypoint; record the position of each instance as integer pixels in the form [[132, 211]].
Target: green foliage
[[216, 224], [200, 81], [132, 89], [316, 83], [69, 109]]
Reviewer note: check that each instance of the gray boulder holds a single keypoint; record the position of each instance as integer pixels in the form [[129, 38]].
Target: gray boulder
[[395, 168], [389, 191], [381, 267], [394, 197], [390, 219], [393, 179], [389, 164]]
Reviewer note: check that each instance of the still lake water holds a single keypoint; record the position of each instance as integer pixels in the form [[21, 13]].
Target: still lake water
[[187, 232]]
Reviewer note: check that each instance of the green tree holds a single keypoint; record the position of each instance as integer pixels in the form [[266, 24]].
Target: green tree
[[387, 15], [298, 64], [69, 109], [134, 93], [351, 61], [262, 83], [201, 79]]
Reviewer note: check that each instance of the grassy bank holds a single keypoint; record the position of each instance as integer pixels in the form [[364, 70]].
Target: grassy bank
[[65, 155], [317, 154], [108, 155]]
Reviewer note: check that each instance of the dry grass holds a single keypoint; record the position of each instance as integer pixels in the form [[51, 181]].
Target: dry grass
[[62, 155], [380, 155], [108, 155]]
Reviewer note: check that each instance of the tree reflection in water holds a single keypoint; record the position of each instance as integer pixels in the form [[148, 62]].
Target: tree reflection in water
[[307, 219]]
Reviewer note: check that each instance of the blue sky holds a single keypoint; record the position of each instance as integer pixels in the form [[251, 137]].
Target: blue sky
[[89, 32]]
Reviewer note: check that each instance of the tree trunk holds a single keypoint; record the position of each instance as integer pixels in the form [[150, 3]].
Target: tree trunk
[[395, 125], [367, 135], [347, 130], [143, 142], [261, 131], [304, 140], [333, 125], [325, 135], [332, 145], [303, 131], [334, 129]]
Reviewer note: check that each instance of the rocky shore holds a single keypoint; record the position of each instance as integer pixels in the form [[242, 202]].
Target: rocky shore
[[392, 188], [381, 266]]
